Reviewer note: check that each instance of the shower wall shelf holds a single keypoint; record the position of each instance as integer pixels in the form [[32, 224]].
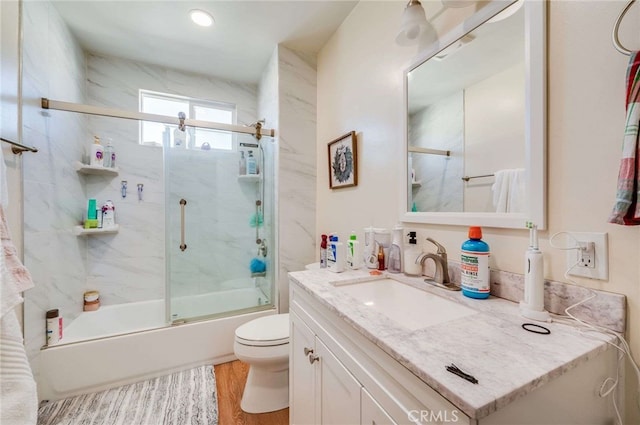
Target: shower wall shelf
[[81, 231], [249, 177], [95, 169]]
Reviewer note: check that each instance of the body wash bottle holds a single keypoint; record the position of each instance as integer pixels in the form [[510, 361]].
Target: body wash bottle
[[97, 153], [109, 160], [354, 254]]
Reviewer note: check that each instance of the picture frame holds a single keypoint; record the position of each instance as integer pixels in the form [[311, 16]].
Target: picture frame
[[343, 161]]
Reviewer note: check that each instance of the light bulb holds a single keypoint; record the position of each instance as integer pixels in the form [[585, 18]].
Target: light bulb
[[202, 18]]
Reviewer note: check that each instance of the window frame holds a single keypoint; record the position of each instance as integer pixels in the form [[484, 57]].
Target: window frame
[[192, 103]]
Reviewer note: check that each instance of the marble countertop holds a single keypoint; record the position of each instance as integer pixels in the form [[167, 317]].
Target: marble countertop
[[491, 345]]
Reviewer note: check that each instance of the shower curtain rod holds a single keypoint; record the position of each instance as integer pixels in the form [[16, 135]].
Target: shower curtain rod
[[18, 148], [256, 131]]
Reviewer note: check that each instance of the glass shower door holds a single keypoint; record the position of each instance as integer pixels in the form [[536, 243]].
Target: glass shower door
[[219, 235]]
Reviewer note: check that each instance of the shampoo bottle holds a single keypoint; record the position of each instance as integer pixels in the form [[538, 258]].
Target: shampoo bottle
[[251, 164], [323, 252], [395, 253], [97, 153], [411, 254], [242, 166], [109, 160], [335, 255], [532, 307], [475, 265], [354, 254]]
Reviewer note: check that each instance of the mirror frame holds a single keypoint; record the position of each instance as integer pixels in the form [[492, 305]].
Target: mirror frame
[[535, 122]]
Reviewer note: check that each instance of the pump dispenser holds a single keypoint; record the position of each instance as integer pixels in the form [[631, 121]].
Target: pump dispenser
[[411, 254], [532, 307], [395, 253]]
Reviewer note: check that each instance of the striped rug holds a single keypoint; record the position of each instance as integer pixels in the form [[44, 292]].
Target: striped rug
[[187, 397]]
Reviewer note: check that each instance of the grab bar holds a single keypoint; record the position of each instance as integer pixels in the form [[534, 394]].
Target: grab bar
[[183, 245]]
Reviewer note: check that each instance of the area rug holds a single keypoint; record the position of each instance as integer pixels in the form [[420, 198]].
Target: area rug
[[187, 397]]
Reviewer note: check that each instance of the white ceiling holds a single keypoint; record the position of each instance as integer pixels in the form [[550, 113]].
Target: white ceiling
[[237, 47]]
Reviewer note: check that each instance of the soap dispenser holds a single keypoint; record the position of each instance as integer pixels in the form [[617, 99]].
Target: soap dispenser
[[97, 153], [395, 254], [411, 254]]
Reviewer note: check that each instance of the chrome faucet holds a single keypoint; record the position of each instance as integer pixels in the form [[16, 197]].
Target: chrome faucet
[[440, 260]]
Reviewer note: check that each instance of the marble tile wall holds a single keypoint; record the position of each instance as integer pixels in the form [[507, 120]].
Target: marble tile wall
[[296, 165], [439, 126], [53, 67]]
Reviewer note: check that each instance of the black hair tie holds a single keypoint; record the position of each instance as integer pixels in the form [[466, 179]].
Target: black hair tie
[[535, 328]]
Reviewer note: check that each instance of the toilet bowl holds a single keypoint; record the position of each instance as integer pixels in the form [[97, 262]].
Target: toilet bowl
[[263, 343]]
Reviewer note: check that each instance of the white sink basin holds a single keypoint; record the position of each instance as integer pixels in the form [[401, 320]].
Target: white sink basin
[[408, 306]]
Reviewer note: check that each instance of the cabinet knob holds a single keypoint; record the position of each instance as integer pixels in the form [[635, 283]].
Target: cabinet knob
[[307, 351], [313, 358]]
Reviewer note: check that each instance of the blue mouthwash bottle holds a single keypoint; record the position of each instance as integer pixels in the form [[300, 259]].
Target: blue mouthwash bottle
[[475, 265]]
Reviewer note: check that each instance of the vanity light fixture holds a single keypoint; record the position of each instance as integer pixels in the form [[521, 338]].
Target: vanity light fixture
[[200, 17], [414, 23]]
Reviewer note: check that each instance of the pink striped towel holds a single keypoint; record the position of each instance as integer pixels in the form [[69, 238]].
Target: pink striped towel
[[627, 208]]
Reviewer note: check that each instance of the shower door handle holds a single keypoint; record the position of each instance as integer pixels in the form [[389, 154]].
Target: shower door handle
[[183, 245]]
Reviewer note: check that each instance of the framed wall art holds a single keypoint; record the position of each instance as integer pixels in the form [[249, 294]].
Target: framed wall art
[[343, 161]]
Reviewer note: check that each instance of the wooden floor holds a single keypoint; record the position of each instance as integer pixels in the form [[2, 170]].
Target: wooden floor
[[230, 379]]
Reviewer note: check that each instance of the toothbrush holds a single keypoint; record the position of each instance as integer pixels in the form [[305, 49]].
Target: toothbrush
[[533, 305]]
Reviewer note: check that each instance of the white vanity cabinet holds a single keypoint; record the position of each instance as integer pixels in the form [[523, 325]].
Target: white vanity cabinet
[[338, 379], [339, 376], [322, 389]]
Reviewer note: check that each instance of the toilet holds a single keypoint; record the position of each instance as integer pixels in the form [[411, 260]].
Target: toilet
[[263, 343]]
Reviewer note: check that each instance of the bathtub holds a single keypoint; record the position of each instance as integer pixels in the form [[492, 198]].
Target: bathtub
[[149, 348]]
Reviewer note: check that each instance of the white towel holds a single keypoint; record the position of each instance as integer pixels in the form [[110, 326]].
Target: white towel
[[508, 190], [18, 393]]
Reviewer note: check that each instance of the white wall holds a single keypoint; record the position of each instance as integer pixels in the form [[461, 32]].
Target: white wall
[[360, 88], [53, 196]]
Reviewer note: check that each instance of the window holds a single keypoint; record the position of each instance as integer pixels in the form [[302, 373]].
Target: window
[[192, 138]]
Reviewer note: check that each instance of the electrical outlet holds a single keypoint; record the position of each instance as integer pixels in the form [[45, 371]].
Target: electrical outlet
[[587, 255], [592, 259]]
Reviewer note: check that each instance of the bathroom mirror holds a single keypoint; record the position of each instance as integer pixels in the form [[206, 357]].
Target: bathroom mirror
[[475, 122]]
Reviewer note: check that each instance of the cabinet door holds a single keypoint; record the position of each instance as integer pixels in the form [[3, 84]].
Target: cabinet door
[[339, 390], [302, 385], [372, 412]]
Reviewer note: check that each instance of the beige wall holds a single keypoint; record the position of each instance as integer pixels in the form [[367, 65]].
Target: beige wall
[[360, 88]]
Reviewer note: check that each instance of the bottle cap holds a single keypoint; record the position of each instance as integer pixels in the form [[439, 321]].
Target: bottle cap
[[52, 314], [352, 237], [412, 238], [91, 296], [475, 232]]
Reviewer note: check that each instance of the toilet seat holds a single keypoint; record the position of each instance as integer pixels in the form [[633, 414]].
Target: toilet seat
[[266, 331]]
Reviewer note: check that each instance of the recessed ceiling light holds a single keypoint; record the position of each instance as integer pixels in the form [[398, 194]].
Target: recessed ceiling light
[[202, 18]]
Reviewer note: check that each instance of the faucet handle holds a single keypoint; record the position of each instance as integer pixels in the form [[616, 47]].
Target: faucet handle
[[441, 249]]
